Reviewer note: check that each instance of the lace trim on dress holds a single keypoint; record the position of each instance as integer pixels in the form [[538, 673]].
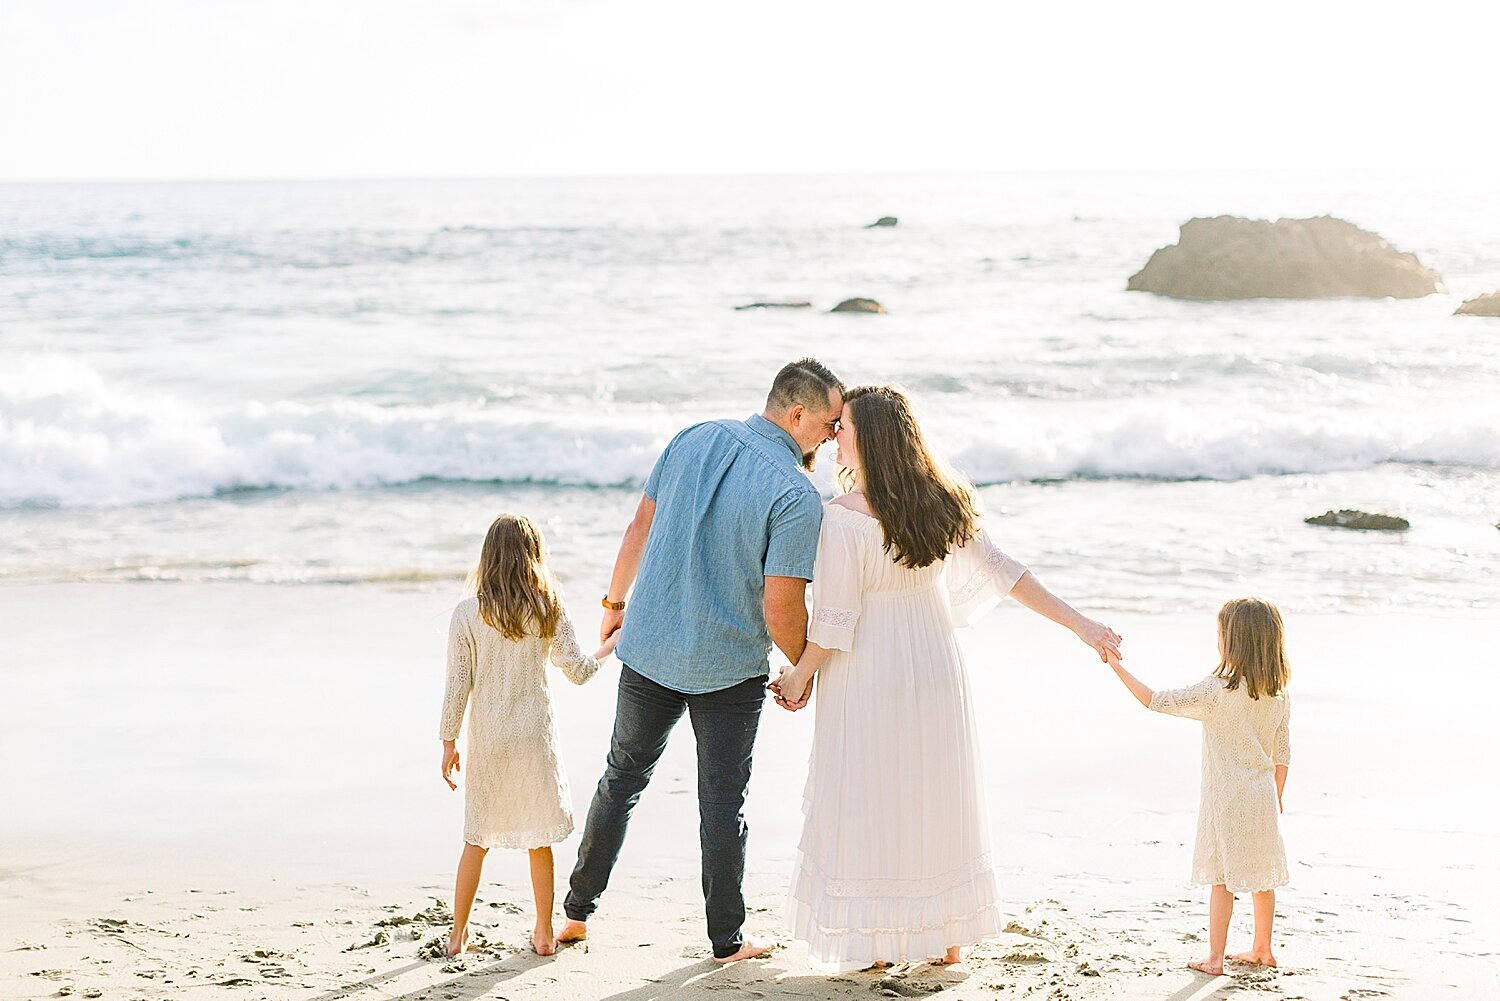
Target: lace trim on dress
[[994, 563], [522, 839], [928, 886], [839, 618]]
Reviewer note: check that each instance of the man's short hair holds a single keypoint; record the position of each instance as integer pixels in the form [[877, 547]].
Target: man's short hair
[[805, 381]]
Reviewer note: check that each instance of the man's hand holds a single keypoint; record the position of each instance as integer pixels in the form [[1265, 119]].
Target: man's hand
[[1105, 641], [611, 623], [450, 763], [792, 691]]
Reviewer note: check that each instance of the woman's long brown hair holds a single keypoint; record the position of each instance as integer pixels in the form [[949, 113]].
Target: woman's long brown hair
[[925, 508], [1254, 647], [516, 593]]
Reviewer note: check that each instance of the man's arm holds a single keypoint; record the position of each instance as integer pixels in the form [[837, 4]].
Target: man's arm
[[627, 565], [786, 615]]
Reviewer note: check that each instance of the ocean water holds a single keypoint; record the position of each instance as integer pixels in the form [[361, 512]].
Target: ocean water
[[342, 383]]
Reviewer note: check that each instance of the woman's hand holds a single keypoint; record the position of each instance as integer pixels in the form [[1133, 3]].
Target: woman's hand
[[792, 688], [1105, 641], [450, 763]]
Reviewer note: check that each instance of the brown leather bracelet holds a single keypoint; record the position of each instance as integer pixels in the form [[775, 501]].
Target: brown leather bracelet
[[613, 606]]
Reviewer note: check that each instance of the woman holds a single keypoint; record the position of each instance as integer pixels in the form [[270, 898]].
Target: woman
[[894, 862]]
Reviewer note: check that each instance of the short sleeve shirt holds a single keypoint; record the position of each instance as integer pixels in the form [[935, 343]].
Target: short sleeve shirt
[[733, 506]]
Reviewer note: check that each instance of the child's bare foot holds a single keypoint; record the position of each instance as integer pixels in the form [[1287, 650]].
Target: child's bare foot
[[749, 949], [458, 941], [573, 931], [543, 941], [1254, 958], [1213, 967]]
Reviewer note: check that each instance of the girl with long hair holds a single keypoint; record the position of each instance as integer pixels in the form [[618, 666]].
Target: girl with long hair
[[515, 789], [1247, 751]]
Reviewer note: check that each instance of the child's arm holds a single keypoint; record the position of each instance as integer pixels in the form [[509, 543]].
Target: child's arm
[[456, 693], [1137, 686], [1282, 753], [575, 665]]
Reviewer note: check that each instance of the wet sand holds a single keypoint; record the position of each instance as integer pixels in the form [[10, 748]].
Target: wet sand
[[232, 791]]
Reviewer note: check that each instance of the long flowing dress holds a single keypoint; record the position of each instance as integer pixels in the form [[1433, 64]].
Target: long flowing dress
[[894, 862], [515, 787], [1239, 827]]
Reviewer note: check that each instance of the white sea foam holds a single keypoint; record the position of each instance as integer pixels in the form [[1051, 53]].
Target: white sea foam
[[70, 438]]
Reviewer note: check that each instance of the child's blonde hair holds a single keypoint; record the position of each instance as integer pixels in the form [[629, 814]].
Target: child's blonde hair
[[516, 593], [1253, 640]]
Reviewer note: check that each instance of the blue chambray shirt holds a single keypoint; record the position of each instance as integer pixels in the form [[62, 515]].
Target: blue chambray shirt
[[733, 506]]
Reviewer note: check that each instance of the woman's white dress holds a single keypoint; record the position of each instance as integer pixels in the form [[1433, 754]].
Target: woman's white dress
[[515, 789], [894, 862], [1239, 826]]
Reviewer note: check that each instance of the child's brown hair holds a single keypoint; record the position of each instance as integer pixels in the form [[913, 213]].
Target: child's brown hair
[[1253, 641], [516, 593]]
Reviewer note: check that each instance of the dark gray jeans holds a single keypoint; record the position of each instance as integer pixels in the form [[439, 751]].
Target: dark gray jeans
[[724, 726]]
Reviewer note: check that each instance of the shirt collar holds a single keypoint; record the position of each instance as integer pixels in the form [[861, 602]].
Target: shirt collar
[[764, 427]]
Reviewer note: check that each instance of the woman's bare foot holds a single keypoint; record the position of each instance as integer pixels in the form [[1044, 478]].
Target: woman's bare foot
[[953, 955], [749, 949], [879, 964], [1254, 958], [573, 931], [1213, 967], [458, 941], [543, 942]]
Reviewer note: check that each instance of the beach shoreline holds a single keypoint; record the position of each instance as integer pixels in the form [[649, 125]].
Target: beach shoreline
[[271, 793]]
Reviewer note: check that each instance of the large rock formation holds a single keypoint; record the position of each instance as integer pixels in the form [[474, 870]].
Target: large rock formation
[[1484, 305], [858, 306], [1362, 520], [883, 222], [776, 305], [1232, 258]]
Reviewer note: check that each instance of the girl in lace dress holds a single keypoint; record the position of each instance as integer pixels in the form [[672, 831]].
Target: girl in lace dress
[[516, 792], [894, 862], [1247, 748]]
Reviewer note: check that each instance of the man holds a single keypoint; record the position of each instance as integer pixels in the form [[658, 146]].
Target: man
[[720, 552]]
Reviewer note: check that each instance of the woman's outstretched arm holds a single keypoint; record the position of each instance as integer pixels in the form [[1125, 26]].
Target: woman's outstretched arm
[[1032, 593]]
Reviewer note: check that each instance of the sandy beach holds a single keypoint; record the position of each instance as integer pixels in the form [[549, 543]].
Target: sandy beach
[[233, 791]]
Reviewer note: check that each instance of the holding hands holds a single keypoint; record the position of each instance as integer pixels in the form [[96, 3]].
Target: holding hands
[[1104, 640], [792, 688]]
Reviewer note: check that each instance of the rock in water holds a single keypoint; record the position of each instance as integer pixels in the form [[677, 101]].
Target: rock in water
[[1362, 520], [1227, 257], [776, 305], [1484, 305], [858, 306], [882, 222]]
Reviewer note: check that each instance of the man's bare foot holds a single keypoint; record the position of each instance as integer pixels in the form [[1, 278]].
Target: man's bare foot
[[749, 949], [458, 941], [1213, 967], [543, 942], [1254, 958], [573, 931]]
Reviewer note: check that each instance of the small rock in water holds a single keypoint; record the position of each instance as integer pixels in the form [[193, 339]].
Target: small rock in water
[[883, 222], [776, 305], [858, 306], [1484, 305], [1361, 520]]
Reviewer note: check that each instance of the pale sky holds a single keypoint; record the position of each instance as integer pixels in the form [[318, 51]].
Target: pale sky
[[167, 89]]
